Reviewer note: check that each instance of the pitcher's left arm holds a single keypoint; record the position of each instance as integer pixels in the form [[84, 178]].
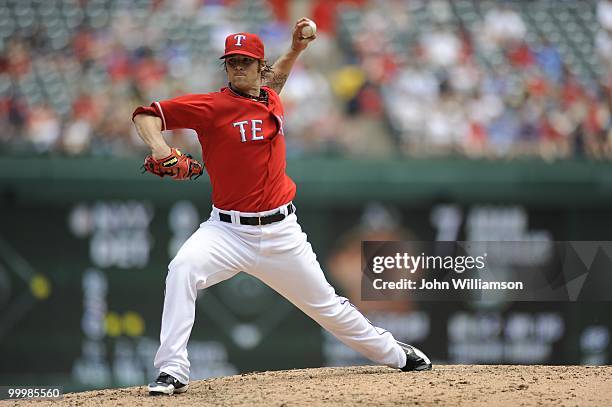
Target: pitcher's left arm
[[282, 67]]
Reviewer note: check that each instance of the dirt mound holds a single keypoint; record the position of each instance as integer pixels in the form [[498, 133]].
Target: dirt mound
[[457, 385]]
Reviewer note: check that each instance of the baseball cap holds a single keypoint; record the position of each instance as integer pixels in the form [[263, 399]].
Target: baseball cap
[[244, 44]]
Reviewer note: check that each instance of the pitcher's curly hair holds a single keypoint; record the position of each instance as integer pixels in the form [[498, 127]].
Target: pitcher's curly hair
[[266, 70]]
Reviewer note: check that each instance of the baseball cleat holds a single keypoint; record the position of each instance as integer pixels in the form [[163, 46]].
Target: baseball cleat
[[166, 384], [415, 359]]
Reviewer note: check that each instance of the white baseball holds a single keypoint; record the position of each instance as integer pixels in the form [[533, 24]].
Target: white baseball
[[309, 30]]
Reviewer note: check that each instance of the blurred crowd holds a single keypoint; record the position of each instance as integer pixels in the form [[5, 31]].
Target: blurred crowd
[[384, 78], [487, 89]]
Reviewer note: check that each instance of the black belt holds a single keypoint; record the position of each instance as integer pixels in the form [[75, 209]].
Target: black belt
[[258, 220]]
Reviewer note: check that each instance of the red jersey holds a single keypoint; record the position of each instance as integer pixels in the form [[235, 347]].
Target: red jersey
[[243, 145]]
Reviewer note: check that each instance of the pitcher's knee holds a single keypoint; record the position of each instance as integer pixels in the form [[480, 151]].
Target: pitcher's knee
[[179, 272], [191, 265], [334, 308], [182, 267]]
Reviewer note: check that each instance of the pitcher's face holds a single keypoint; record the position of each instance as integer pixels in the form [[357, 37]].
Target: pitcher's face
[[243, 72]]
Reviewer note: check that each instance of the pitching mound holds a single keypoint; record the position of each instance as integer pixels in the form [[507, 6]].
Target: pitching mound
[[457, 385]]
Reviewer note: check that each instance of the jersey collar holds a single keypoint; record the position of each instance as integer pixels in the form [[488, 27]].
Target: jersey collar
[[263, 95]]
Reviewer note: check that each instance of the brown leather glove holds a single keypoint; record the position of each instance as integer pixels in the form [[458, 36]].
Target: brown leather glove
[[177, 165]]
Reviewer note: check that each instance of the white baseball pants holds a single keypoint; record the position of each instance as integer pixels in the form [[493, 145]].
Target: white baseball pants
[[279, 255]]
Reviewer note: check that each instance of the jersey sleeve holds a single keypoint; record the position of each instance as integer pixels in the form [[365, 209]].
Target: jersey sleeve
[[271, 92], [183, 112], [275, 101]]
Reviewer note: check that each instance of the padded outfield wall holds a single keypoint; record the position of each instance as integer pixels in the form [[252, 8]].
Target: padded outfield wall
[[83, 255]]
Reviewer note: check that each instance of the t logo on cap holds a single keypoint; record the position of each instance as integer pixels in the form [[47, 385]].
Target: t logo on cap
[[239, 37], [244, 44]]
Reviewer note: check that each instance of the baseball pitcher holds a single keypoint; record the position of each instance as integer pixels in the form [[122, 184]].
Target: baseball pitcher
[[253, 225]]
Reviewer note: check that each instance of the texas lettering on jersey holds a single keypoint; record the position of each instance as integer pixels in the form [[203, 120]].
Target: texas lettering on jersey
[[255, 128], [243, 145]]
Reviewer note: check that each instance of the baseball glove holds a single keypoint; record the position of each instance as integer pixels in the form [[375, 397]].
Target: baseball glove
[[177, 165]]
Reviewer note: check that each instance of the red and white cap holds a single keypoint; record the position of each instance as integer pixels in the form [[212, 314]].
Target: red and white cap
[[244, 44]]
